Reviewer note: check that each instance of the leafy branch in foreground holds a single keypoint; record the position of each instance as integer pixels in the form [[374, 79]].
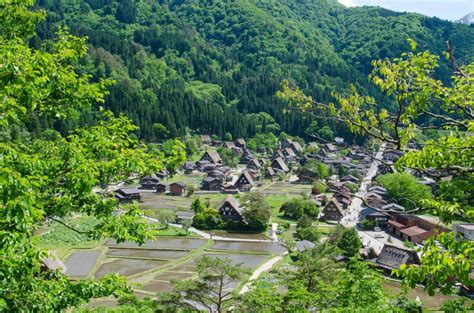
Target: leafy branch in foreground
[[57, 177], [419, 103]]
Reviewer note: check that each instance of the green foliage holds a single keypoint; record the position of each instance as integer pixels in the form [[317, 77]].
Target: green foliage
[[209, 290], [455, 257], [263, 297], [197, 206], [257, 211], [228, 156], [165, 217], [448, 107], [319, 188], [59, 234], [211, 65], [360, 287], [317, 267], [404, 189], [368, 224], [268, 141], [326, 133], [208, 220], [298, 207], [456, 306], [308, 233], [318, 170], [44, 176], [346, 239]]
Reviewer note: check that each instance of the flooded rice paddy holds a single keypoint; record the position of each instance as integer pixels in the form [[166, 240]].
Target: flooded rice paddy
[[247, 260], [80, 263], [156, 264], [162, 243], [147, 254], [259, 247], [127, 267]]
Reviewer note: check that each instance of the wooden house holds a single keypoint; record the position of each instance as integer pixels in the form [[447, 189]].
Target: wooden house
[[392, 258], [240, 143], [206, 139], [254, 164], [333, 211], [230, 209], [177, 189], [52, 264], [189, 167], [378, 190], [149, 182], [127, 194], [291, 144], [279, 165], [161, 188], [245, 181], [212, 184], [413, 228], [288, 153], [393, 207], [350, 179], [246, 157], [386, 168], [329, 148], [375, 201], [344, 199], [302, 246], [392, 155], [212, 157], [269, 172]]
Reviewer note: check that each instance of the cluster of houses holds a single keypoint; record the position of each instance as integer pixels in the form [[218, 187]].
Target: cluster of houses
[[358, 159]]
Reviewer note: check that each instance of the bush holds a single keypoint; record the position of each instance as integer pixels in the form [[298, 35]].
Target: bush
[[309, 233], [368, 224], [298, 207], [208, 220], [318, 188], [404, 189]]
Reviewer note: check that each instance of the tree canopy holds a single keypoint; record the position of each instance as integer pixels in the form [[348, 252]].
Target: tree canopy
[[45, 176]]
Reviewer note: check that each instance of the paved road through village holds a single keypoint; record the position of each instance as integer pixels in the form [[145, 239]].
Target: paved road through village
[[352, 216]]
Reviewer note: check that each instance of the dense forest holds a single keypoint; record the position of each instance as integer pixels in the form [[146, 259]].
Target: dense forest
[[211, 65]]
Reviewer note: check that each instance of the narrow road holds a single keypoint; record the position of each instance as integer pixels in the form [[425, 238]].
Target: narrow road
[[263, 268], [351, 219], [352, 216]]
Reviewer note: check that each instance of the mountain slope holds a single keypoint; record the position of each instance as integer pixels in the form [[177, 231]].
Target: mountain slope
[[468, 19], [209, 65]]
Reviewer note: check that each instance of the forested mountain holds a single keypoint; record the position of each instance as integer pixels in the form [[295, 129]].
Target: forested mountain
[[209, 65]]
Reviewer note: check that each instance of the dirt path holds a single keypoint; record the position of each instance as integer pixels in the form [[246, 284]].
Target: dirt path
[[263, 268]]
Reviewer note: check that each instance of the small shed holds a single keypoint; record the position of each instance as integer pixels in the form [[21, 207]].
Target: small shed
[[177, 189]]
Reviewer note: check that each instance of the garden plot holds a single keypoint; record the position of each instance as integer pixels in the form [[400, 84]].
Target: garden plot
[[155, 201], [127, 267], [80, 263], [146, 254], [250, 247], [164, 243], [284, 188]]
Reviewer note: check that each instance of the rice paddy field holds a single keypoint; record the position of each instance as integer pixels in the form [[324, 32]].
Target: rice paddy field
[[152, 267]]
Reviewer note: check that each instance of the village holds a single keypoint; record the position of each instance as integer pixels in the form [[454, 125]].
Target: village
[[202, 209]]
